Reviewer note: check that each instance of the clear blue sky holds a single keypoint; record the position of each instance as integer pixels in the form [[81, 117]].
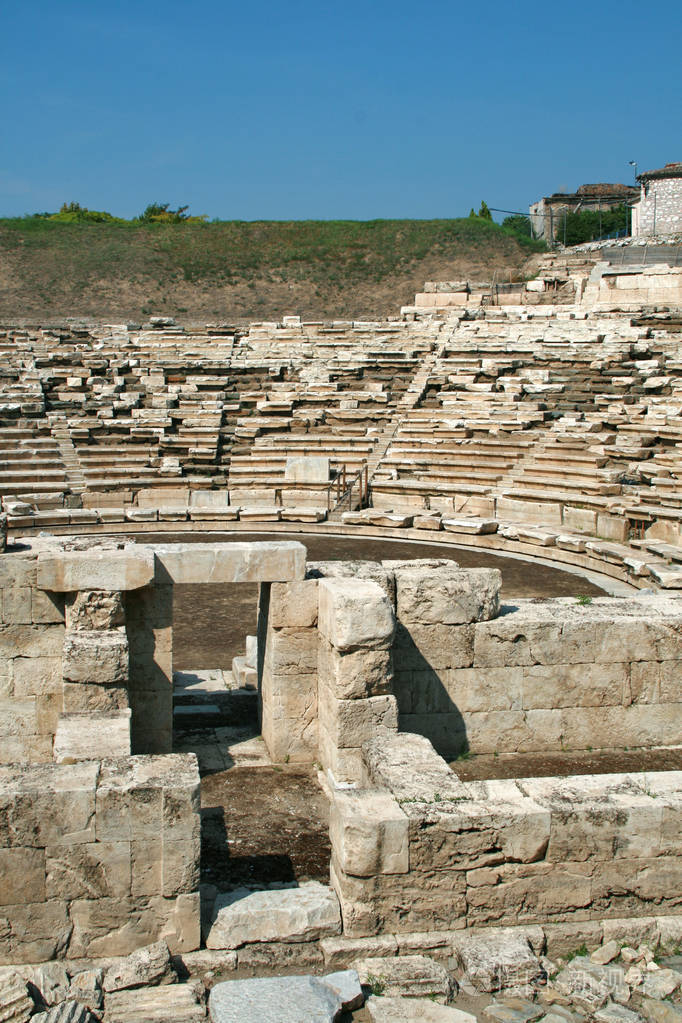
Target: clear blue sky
[[308, 109]]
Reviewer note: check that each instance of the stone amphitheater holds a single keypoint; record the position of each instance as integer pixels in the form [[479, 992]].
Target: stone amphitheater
[[490, 784]]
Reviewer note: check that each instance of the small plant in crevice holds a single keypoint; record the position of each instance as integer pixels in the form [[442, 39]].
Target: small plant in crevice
[[376, 985], [583, 600]]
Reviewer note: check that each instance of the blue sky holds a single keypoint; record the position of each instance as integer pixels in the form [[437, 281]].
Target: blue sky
[[355, 110]]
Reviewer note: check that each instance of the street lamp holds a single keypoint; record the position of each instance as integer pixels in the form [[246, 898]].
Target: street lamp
[[633, 163]]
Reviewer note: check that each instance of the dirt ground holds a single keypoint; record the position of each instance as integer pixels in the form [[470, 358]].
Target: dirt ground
[[263, 824], [483, 767]]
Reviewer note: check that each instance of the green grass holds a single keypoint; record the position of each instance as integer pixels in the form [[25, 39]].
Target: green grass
[[56, 264]]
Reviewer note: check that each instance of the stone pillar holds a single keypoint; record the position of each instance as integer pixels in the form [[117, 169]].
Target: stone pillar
[[149, 624], [95, 717], [288, 653], [356, 628]]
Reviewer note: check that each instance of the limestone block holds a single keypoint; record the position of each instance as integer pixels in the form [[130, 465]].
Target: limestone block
[[88, 870], [474, 526], [305, 913], [447, 596], [503, 958], [70, 1011], [306, 469], [369, 833], [339, 951], [409, 767], [412, 976], [279, 561], [86, 987], [16, 1004], [66, 571], [476, 689], [349, 723], [382, 574], [355, 675], [144, 967], [354, 613], [94, 609], [180, 866], [142, 797], [31, 641], [18, 718], [16, 605], [52, 981], [33, 933], [155, 497], [90, 736], [574, 685], [517, 731], [294, 604], [547, 891], [208, 499], [106, 927], [413, 1010], [428, 521], [292, 651], [23, 876], [84, 698], [281, 1000], [96, 657], [177, 1002], [34, 676], [418, 647]]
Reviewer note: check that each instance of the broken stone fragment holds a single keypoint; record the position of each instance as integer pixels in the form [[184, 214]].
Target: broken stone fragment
[[66, 1012], [500, 961], [414, 1010], [16, 1005], [305, 913], [146, 966], [283, 999], [411, 976]]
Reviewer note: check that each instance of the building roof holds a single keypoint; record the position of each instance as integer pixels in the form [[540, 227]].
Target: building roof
[[671, 170], [603, 190]]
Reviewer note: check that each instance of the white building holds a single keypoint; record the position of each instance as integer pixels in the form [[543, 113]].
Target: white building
[[659, 208]]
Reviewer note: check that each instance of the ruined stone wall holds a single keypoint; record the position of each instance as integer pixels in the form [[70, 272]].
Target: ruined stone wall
[[660, 208], [544, 676], [98, 858], [31, 643], [538, 676], [418, 850], [650, 285]]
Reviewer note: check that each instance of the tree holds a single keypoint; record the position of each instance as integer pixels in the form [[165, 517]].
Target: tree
[[518, 225], [472, 213], [484, 213]]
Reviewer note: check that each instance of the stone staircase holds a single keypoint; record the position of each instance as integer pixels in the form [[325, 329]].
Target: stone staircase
[[74, 471]]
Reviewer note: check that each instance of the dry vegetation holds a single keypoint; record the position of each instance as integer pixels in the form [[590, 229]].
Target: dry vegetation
[[233, 271]]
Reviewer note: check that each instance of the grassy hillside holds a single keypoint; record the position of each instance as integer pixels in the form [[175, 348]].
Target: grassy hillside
[[232, 270]]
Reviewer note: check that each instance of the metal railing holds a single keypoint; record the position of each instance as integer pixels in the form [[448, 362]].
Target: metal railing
[[343, 486]]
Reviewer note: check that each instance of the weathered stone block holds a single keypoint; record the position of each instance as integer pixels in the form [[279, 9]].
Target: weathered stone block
[[279, 561], [447, 596], [369, 833], [434, 646], [304, 913], [67, 571], [91, 736], [94, 609], [294, 604], [354, 613], [96, 657], [349, 723], [23, 876], [355, 675]]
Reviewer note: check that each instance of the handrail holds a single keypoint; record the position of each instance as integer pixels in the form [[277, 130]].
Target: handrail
[[344, 484]]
